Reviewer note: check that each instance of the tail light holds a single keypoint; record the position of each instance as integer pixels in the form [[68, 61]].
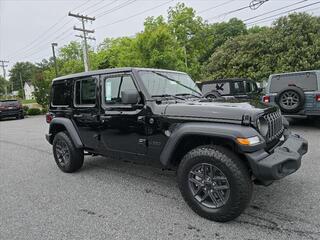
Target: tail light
[[266, 99], [49, 117], [318, 97]]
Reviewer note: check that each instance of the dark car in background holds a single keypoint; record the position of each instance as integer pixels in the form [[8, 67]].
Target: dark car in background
[[240, 88], [11, 108], [297, 94]]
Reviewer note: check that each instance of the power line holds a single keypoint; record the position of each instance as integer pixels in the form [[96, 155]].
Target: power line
[[216, 6], [122, 5], [84, 31], [309, 10], [239, 9], [103, 6], [134, 15], [275, 10], [31, 44], [275, 15]]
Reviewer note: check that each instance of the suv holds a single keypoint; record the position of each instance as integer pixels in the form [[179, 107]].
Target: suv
[[240, 88], [297, 93], [11, 108], [218, 148]]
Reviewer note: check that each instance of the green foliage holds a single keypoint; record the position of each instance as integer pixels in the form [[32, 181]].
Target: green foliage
[[292, 44], [27, 71], [34, 111], [185, 42], [25, 109], [3, 85]]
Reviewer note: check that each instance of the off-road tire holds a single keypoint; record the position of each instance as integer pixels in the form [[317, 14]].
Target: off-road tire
[[236, 173], [75, 161], [295, 90]]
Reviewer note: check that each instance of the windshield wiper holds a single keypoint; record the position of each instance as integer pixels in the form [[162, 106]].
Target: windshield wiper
[[168, 95], [188, 94], [176, 81]]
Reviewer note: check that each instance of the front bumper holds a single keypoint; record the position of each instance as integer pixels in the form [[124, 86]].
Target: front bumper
[[11, 112], [284, 160]]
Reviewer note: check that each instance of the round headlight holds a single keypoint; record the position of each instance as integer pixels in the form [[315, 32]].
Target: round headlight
[[262, 126]]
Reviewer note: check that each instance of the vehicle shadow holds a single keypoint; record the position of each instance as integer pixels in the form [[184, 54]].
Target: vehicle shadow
[[307, 123], [272, 208]]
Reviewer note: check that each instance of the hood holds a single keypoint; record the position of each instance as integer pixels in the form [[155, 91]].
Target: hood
[[220, 110]]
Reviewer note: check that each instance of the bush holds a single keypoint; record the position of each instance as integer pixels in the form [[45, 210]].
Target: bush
[[44, 110], [34, 111], [25, 109]]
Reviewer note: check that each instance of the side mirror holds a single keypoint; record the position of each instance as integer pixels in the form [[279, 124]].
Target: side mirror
[[130, 97], [260, 89]]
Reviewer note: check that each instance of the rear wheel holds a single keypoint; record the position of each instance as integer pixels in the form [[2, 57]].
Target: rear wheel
[[68, 158], [214, 183]]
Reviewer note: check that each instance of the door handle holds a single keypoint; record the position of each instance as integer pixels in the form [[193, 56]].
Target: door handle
[[105, 118], [77, 115]]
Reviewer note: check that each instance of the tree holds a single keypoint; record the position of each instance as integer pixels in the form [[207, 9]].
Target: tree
[[291, 44], [27, 71], [3, 85]]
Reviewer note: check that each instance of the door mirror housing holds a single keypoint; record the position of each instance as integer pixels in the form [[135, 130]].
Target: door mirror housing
[[130, 97]]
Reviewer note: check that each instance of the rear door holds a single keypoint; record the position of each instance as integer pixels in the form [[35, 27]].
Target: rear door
[[86, 110]]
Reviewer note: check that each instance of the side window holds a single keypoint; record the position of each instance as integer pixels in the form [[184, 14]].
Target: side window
[[85, 92], [113, 86], [60, 94], [248, 87]]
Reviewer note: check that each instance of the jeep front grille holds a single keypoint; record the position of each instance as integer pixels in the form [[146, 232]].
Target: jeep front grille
[[275, 125]]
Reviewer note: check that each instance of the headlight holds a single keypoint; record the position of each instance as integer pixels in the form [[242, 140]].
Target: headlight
[[262, 126]]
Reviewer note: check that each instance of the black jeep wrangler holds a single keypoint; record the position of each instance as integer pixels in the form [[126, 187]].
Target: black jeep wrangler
[[219, 149]]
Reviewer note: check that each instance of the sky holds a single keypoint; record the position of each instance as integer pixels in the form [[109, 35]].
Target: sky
[[28, 27]]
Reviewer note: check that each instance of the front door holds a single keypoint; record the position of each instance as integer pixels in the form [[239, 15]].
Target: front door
[[86, 110], [122, 125]]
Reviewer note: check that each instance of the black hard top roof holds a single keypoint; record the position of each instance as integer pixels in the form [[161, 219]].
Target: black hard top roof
[[110, 70]]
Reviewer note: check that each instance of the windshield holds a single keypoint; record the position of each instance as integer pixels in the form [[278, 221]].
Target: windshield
[[168, 83]]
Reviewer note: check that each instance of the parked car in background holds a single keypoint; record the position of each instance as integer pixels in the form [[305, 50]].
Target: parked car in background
[[297, 93], [11, 108], [240, 88]]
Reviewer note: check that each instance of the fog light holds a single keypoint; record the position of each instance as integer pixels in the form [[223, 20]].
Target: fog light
[[249, 141]]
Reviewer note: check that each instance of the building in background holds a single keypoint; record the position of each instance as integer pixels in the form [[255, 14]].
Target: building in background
[[28, 91]]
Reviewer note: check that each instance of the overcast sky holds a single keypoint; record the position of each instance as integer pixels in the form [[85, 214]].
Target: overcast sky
[[28, 27]]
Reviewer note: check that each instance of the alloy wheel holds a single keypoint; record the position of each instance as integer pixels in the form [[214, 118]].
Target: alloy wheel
[[209, 185]]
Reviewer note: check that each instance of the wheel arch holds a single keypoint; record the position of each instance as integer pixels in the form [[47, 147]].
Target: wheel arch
[[190, 135], [64, 124]]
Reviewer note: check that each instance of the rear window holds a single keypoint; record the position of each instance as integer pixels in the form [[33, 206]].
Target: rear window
[[9, 103], [306, 81], [60, 95]]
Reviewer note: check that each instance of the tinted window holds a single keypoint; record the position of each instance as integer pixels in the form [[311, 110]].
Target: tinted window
[[60, 95], [222, 88], [85, 92], [113, 86], [306, 81]]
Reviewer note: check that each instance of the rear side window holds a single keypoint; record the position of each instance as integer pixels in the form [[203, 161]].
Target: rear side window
[[60, 95], [85, 92], [306, 81]]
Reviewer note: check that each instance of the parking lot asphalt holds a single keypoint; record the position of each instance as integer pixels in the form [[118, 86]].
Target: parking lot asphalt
[[112, 199]]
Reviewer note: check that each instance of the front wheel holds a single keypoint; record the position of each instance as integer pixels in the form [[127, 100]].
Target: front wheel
[[214, 183], [68, 158]]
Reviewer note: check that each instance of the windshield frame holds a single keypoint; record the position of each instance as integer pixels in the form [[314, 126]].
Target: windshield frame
[[161, 72]]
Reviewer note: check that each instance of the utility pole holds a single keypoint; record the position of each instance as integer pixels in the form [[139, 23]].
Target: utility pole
[[54, 58], [22, 88], [85, 31], [3, 65]]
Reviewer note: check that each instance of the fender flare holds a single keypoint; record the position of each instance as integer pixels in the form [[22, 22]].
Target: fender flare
[[221, 130], [69, 126]]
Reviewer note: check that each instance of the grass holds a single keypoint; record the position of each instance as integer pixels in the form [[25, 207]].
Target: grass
[[24, 101]]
